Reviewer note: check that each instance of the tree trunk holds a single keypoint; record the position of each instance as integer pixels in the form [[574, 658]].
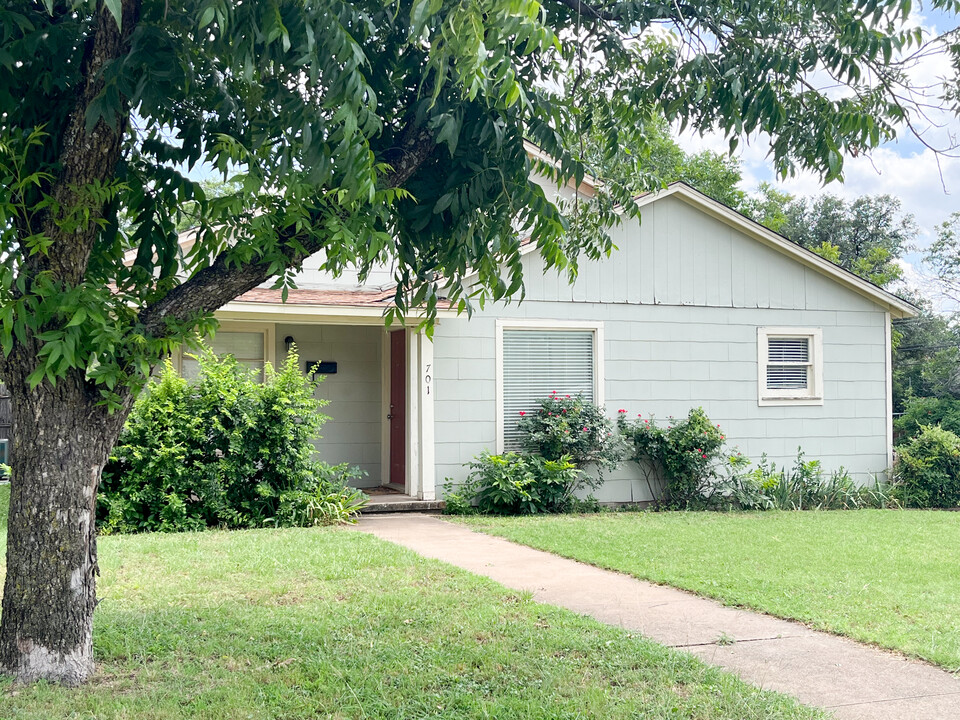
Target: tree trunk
[[61, 442]]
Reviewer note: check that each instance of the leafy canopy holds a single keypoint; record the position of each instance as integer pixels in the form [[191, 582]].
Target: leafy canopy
[[365, 133]]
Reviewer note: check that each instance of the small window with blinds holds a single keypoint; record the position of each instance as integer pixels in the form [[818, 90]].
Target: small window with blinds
[[537, 362], [249, 349], [790, 366]]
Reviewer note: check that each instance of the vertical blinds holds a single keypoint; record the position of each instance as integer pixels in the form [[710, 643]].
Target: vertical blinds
[[537, 362], [246, 347], [788, 363]]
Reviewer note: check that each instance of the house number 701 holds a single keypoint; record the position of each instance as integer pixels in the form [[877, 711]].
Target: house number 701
[[427, 379]]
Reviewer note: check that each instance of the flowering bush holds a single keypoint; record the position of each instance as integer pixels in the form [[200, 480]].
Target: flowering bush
[[571, 427], [685, 455]]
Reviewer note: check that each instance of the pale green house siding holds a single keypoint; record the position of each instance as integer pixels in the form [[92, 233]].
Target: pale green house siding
[[680, 303]]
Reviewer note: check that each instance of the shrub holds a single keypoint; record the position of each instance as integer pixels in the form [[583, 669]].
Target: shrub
[[685, 453], [803, 488], [928, 469], [222, 450], [921, 412], [576, 429], [515, 484]]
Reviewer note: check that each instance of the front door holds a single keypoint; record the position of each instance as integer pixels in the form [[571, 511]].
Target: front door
[[398, 407]]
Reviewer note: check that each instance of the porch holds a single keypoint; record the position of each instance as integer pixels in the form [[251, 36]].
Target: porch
[[378, 384]]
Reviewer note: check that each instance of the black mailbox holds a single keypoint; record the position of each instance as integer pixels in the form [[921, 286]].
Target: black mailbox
[[321, 368]]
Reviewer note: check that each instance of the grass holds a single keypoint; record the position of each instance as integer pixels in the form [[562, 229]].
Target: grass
[[332, 623], [881, 576]]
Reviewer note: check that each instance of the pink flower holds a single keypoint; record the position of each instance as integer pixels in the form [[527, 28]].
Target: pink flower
[[584, 428], [704, 457], [647, 422], [569, 396], [564, 410], [669, 427], [522, 413], [554, 392], [721, 437], [550, 414], [623, 411]]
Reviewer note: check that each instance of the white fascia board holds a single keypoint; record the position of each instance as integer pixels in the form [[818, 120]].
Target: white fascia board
[[315, 314]]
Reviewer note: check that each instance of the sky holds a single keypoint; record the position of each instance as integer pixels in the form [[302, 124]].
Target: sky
[[927, 185]]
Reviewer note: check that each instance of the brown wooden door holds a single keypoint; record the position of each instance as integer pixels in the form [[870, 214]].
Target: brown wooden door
[[398, 407]]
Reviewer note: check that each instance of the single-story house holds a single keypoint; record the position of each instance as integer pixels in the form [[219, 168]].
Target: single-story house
[[699, 306]]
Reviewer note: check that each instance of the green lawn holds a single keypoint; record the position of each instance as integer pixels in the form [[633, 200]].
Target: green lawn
[[882, 576], [331, 623]]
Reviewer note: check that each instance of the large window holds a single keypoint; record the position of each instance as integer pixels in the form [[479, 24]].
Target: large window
[[534, 360], [250, 345], [790, 364]]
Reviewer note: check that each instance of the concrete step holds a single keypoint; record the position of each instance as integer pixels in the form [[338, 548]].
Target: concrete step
[[410, 505]]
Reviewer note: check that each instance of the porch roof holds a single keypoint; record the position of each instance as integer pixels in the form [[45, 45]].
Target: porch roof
[[311, 296]]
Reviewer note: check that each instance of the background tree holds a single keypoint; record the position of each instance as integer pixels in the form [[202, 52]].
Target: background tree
[[926, 356], [865, 236], [657, 159], [943, 256], [371, 131]]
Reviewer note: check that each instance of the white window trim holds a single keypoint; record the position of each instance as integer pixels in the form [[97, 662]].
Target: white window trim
[[813, 395], [268, 329], [535, 324]]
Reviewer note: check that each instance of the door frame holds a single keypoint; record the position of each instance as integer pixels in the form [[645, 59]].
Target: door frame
[[420, 481], [391, 412]]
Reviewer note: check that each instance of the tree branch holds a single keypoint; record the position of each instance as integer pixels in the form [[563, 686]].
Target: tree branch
[[220, 282]]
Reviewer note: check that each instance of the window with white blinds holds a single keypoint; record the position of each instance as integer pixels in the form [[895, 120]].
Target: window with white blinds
[[537, 362], [249, 349], [790, 365]]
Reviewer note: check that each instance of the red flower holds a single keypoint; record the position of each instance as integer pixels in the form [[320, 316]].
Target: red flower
[[569, 396], [522, 413], [564, 409], [647, 422], [623, 411], [704, 457]]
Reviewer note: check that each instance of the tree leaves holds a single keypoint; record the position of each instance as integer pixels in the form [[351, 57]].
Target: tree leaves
[[387, 133]]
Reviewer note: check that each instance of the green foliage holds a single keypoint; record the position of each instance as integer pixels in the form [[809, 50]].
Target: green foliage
[[377, 132], [515, 484], [944, 255], [329, 503], [222, 450], [576, 429], [804, 487], [926, 356], [685, 468], [865, 236], [928, 469], [921, 412], [657, 159], [686, 452]]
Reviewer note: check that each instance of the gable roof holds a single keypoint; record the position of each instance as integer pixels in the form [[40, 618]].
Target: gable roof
[[897, 307]]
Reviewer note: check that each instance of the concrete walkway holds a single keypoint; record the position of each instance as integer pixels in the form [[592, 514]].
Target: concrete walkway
[[853, 681]]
